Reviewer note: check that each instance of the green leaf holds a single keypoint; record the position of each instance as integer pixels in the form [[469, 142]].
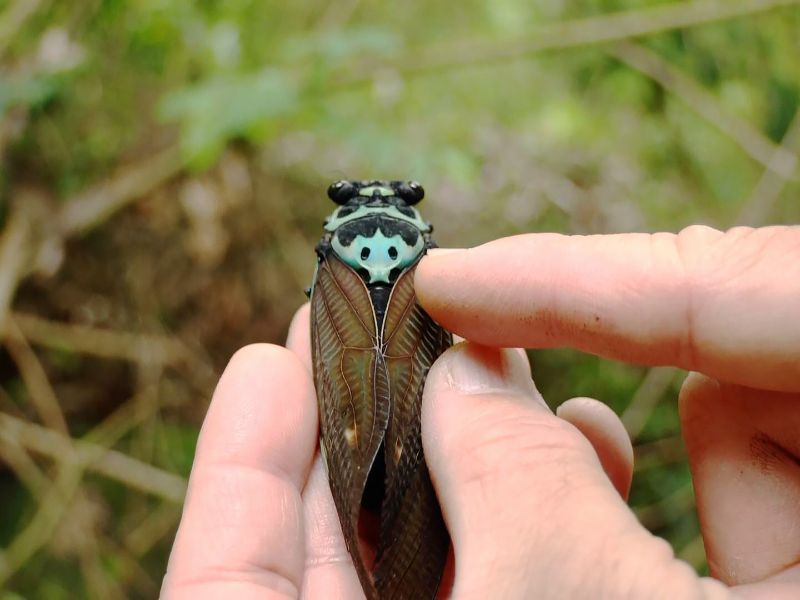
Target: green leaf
[[226, 107], [25, 90]]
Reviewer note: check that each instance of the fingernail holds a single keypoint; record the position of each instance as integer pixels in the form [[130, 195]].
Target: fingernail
[[475, 369], [435, 252]]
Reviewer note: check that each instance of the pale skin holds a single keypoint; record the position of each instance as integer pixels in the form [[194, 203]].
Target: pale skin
[[535, 501]]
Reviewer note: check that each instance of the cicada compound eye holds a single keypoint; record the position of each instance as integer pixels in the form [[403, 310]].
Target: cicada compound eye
[[341, 191], [411, 191]]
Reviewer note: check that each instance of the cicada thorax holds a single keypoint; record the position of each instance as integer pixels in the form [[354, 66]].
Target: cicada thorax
[[372, 346]]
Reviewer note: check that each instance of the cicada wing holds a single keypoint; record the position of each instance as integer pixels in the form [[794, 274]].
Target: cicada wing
[[413, 541], [351, 387]]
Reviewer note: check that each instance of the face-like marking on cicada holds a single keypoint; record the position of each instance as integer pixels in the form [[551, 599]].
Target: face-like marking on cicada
[[377, 234], [372, 346]]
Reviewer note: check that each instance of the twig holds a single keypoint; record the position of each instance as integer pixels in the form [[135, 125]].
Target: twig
[[40, 529], [13, 19], [15, 254], [131, 571], [652, 388], [658, 453], [694, 552], [19, 246], [757, 210], [92, 206], [754, 143], [105, 343], [337, 14], [160, 522], [100, 583], [141, 476], [110, 463], [26, 470], [40, 392], [37, 484], [8, 405], [74, 458], [573, 34], [667, 509]]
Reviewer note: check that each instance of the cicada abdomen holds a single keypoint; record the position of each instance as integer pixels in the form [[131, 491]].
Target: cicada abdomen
[[372, 347]]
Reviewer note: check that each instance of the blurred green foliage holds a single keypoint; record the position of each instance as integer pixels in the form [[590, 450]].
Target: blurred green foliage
[[270, 101]]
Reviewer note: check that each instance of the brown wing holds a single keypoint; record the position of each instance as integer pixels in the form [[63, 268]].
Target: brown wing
[[413, 542], [351, 388]]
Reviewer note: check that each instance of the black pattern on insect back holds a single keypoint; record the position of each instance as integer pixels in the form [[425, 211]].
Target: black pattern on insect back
[[368, 226]]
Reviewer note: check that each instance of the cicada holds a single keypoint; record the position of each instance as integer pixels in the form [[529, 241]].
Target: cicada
[[372, 346]]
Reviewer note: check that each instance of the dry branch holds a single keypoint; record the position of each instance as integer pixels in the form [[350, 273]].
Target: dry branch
[[158, 524], [41, 527], [758, 209], [13, 18], [655, 454], [96, 204], [40, 391], [613, 27], [694, 552], [74, 457], [104, 343], [679, 502], [15, 253], [754, 143], [649, 393], [131, 569], [110, 463], [23, 466]]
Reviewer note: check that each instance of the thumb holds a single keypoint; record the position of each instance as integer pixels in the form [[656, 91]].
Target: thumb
[[529, 508]]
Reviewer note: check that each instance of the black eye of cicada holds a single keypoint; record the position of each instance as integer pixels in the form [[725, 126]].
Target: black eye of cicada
[[410, 191], [342, 191]]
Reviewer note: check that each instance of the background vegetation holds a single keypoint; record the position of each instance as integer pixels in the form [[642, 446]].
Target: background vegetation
[[162, 174]]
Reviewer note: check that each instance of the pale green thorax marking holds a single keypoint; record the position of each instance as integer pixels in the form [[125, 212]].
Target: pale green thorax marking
[[382, 254], [382, 191]]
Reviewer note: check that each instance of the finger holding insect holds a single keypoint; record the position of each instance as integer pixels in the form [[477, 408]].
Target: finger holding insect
[[607, 435], [645, 298], [298, 339], [505, 468], [243, 511], [329, 570]]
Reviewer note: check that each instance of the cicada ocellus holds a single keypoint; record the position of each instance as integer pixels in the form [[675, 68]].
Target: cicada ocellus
[[372, 346]]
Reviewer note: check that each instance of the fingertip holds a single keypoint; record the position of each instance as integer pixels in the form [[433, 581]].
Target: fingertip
[[607, 435], [471, 369], [243, 511], [298, 340], [432, 275], [695, 387], [262, 411], [255, 355]]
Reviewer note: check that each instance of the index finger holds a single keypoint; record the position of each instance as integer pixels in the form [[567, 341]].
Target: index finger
[[241, 534], [726, 304]]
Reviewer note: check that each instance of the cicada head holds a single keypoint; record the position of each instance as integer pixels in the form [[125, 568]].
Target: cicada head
[[376, 230]]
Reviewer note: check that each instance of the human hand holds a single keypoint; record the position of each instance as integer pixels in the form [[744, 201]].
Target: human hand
[[532, 502], [524, 495], [259, 520]]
